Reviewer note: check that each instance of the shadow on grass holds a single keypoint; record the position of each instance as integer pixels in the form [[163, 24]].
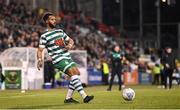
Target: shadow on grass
[[127, 102], [41, 106]]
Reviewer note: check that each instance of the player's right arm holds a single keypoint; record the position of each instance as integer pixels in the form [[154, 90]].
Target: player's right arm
[[42, 45], [39, 57]]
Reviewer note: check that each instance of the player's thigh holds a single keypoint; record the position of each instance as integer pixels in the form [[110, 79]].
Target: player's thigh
[[71, 69], [64, 65]]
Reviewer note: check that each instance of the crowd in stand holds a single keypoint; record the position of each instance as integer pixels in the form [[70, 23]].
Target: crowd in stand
[[20, 27]]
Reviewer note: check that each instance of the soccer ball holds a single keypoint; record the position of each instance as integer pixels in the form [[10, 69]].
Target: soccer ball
[[128, 94]]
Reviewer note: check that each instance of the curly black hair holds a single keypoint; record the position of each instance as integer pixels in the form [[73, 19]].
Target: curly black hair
[[46, 16]]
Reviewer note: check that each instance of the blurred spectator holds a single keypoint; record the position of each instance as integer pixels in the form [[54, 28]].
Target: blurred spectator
[[20, 27], [105, 71], [156, 70], [49, 72], [162, 76], [168, 61]]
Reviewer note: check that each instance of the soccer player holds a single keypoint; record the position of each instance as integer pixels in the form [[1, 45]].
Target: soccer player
[[57, 43], [168, 60], [116, 60]]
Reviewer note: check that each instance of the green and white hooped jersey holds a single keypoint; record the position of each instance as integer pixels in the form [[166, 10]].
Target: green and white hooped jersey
[[54, 41]]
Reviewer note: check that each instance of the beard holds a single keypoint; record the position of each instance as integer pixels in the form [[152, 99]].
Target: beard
[[52, 25]]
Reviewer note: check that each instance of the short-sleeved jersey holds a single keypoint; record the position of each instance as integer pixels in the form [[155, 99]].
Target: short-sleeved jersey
[[54, 41], [116, 58]]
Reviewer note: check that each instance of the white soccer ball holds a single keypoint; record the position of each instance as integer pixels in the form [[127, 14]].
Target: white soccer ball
[[128, 94]]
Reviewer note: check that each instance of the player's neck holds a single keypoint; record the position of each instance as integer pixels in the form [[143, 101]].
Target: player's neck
[[50, 28]]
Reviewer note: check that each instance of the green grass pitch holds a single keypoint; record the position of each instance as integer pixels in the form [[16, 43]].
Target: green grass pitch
[[147, 97]]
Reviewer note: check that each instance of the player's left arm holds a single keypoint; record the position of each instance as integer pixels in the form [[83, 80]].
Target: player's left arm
[[70, 44], [69, 41]]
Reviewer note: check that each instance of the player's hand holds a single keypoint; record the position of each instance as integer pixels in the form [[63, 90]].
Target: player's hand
[[167, 65], [69, 46], [39, 64], [67, 77]]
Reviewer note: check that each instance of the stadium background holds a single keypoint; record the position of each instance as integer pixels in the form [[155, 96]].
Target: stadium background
[[97, 25]]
